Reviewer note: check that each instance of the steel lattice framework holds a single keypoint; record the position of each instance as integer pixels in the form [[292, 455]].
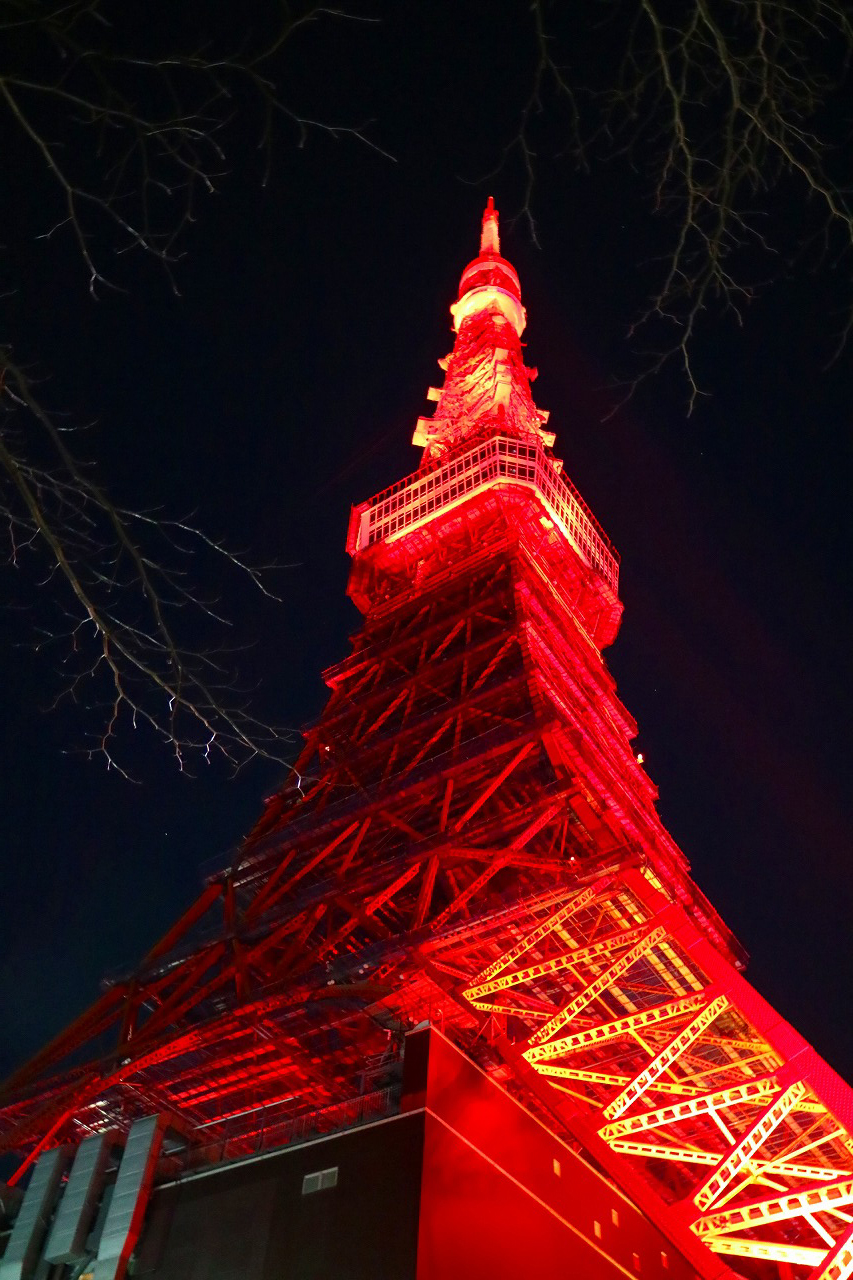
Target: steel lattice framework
[[468, 837]]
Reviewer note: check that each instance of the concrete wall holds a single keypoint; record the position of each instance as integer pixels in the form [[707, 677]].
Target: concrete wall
[[252, 1222], [504, 1199], [464, 1184]]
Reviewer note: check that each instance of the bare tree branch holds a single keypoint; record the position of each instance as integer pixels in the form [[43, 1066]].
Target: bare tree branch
[[123, 136], [119, 585], [722, 108]]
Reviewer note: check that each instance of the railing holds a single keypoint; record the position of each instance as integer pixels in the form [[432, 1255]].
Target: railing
[[265, 1129], [502, 460]]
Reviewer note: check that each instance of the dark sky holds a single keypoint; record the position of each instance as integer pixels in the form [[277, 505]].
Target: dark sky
[[284, 383]]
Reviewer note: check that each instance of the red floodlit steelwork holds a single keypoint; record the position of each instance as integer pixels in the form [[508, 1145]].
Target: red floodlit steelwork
[[468, 837]]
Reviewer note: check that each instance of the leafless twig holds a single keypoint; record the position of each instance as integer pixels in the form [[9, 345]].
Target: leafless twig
[[120, 593], [721, 109], [123, 131]]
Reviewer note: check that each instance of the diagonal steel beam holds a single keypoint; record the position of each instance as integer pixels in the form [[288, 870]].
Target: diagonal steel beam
[[634, 1022], [838, 1264], [567, 960], [795, 1255], [496, 782], [758, 1213], [501, 860], [538, 1049], [752, 1091], [666, 1058], [754, 1138]]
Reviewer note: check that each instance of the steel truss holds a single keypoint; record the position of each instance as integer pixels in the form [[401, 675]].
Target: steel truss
[[698, 1087], [468, 837]]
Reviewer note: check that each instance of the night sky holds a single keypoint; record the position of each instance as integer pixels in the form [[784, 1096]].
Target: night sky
[[284, 383]]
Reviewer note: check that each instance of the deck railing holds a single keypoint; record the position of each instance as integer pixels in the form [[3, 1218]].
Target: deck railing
[[499, 461], [265, 1129]]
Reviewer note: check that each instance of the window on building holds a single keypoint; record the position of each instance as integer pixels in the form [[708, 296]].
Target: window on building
[[319, 1181]]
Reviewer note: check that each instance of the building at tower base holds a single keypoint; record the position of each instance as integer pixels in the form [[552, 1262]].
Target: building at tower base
[[456, 1181]]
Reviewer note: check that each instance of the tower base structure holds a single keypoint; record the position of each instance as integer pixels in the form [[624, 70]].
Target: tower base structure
[[455, 1181]]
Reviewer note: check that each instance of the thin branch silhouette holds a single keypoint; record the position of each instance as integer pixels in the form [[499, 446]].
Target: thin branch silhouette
[[722, 111], [123, 137]]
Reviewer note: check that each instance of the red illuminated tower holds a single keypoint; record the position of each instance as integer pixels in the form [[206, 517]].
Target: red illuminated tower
[[468, 843]]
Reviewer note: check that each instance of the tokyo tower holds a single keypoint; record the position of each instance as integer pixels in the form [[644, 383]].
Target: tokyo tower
[[457, 1009]]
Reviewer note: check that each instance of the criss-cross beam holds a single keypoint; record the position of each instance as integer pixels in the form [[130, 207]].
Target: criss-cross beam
[[366, 755], [753, 1214], [623, 1028], [759, 1073], [414, 640], [681, 1154], [360, 914], [265, 846], [49, 1120], [276, 886], [506, 856], [838, 1263], [425, 857], [539, 1049], [752, 1091], [667, 1057], [734, 1162], [557, 964]]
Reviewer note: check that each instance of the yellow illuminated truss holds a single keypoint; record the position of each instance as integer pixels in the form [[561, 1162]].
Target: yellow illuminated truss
[[652, 1037]]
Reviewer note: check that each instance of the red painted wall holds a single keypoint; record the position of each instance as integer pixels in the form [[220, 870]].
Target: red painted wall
[[494, 1206]]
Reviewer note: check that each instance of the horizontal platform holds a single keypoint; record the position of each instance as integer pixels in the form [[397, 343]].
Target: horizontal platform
[[413, 502]]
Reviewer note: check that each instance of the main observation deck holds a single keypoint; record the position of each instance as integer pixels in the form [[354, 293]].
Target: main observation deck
[[498, 462]]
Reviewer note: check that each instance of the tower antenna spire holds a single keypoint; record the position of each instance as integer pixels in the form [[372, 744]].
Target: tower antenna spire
[[490, 241]]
